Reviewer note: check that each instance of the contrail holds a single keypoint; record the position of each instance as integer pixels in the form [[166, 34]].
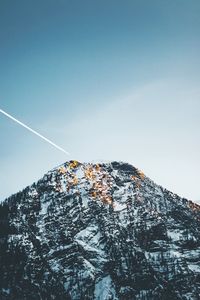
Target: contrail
[[33, 131]]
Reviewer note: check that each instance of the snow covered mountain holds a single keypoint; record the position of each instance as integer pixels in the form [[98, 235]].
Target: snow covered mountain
[[99, 231]]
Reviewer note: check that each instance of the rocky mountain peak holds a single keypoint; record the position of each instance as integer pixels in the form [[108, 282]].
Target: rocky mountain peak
[[99, 231]]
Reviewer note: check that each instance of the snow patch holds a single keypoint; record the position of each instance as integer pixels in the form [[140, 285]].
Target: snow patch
[[194, 268], [175, 235], [104, 289], [118, 206], [44, 207]]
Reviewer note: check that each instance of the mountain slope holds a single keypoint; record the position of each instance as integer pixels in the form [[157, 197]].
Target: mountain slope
[[99, 231]]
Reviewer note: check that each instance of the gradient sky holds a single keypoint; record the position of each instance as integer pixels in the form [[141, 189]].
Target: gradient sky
[[106, 80]]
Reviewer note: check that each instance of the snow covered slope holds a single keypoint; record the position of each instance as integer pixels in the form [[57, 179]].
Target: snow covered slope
[[99, 231]]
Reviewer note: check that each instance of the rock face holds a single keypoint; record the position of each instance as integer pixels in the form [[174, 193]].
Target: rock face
[[99, 231]]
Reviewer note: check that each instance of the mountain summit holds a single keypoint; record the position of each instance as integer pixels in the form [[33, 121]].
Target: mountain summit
[[99, 231]]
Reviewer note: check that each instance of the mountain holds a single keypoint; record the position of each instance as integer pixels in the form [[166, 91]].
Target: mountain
[[99, 231]]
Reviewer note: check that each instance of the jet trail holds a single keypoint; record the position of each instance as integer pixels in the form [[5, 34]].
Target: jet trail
[[33, 131]]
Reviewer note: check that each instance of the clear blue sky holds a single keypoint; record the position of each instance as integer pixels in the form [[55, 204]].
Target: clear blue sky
[[106, 80]]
